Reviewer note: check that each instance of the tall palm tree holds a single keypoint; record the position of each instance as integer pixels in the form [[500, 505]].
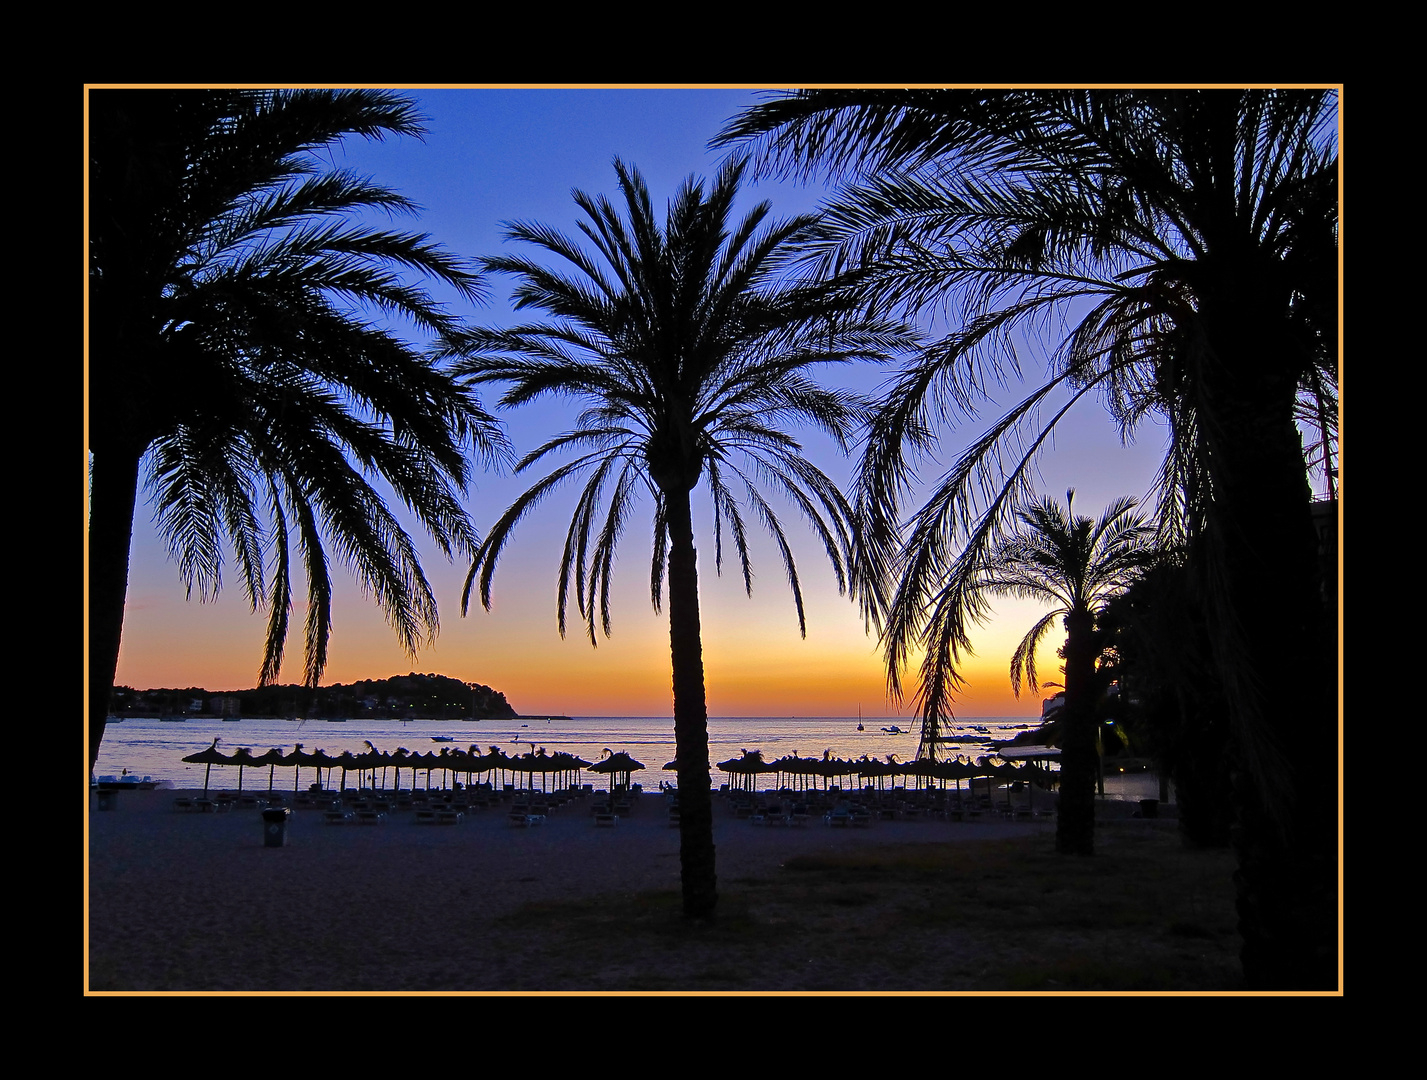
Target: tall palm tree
[[1076, 565], [691, 360], [1189, 238], [230, 361]]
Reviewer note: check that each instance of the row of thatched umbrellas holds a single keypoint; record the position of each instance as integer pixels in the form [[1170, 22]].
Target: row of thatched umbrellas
[[470, 762], [619, 766], [751, 765]]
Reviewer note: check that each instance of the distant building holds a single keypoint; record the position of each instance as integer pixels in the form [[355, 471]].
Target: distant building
[[226, 705]]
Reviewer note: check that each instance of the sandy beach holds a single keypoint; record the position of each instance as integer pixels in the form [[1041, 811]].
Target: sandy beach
[[197, 902]]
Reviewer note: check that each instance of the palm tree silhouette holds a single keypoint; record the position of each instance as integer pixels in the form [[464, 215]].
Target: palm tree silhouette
[[1190, 241], [230, 353], [1076, 565], [691, 361]]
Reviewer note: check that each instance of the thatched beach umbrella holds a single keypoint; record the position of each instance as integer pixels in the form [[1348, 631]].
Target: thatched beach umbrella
[[795, 766], [241, 757], [498, 762], [748, 766], [402, 756], [347, 760], [209, 757], [321, 760], [619, 767], [374, 759], [272, 759], [569, 766], [297, 759]]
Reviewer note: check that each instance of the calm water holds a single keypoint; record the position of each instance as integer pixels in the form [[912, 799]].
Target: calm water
[[155, 747]]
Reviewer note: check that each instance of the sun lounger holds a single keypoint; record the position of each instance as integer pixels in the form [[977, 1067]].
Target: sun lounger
[[183, 804], [606, 818], [448, 817], [336, 817]]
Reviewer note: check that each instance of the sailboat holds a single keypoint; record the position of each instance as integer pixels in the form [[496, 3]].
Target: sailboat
[[859, 719]]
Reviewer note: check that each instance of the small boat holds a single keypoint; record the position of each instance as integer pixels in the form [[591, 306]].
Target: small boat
[[443, 738], [894, 730], [859, 719]]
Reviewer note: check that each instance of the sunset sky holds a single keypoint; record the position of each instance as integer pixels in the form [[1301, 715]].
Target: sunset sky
[[499, 155]]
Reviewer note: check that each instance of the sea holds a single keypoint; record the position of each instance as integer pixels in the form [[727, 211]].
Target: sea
[[155, 747]]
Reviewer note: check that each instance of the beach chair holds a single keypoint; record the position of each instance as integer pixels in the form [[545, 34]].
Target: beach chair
[[606, 818], [425, 816], [185, 805], [335, 817], [448, 817]]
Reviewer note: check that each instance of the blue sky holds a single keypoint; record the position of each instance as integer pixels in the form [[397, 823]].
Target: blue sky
[[497, 155]]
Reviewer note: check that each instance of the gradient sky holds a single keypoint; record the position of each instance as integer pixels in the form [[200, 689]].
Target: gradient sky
[[499, 155]]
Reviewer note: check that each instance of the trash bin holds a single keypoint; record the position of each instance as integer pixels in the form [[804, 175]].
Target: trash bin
[[108, 799], [275, 826], [1149, 808]]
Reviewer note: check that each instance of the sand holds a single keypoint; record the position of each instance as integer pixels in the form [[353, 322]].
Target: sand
[[197, 902]]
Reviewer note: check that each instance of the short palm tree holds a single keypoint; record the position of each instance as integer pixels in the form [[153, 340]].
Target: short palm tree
[[691, 360], [230, 361], [1074, 564], [1188, 242]]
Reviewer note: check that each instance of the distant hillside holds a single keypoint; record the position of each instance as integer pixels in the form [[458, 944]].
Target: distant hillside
[[436, 697]]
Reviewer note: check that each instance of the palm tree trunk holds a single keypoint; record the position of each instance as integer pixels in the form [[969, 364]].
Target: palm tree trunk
[[113, 491], [1075, 815], [691, 730], [1284, 699]]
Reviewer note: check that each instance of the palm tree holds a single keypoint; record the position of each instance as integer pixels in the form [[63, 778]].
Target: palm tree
[[690, 359], [230, 362], [1189, 238], [1074, 564]]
